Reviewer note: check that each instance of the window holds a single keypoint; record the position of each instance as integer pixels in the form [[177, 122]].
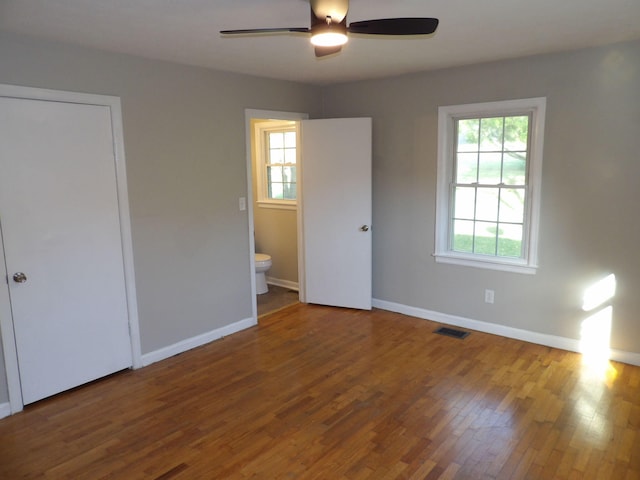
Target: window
[[489, 165], [276, 162]]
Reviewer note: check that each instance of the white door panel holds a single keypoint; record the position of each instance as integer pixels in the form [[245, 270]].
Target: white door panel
[[336, 202], [60, 226]]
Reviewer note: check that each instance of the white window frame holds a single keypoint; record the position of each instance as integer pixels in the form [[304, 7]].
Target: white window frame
[[447, 115], [261, 129]]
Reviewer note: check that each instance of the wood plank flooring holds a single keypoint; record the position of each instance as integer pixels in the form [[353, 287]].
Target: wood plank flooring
[[325, 393]]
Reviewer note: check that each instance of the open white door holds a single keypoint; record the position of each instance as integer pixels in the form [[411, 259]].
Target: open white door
[[336, 203]]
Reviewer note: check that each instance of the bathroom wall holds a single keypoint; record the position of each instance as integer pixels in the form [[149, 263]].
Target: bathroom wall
[[276, 234]]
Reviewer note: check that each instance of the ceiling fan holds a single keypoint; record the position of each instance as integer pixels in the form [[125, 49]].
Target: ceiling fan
[[329, 26]]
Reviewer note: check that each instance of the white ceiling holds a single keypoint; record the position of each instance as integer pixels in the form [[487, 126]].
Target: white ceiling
[[186, 31]]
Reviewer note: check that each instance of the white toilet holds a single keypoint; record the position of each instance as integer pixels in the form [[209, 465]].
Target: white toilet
[[263, 263]]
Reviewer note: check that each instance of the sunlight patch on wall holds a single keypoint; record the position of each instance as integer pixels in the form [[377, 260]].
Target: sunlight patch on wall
[[595, 334], [599, 293], [595, 341]]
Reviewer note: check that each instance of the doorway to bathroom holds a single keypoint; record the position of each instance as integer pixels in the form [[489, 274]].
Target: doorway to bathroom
[[333, 207], [275, 160]]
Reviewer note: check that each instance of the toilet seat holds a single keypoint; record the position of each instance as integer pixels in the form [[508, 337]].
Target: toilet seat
[[262, 257]]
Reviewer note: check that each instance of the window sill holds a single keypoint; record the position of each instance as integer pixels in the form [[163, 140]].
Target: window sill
[[490, 263], [278, 205]]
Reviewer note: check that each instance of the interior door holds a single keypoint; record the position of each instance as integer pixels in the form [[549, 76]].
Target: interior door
[[62, 244], [336, 202]]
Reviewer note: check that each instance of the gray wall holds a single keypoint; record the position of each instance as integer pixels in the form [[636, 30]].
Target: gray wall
[[590, 187], [186, 166], [276, 233]]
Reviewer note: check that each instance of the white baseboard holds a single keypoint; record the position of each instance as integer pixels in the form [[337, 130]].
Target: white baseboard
[[564, 343], [5, 410], [188, 344], [283, 283]]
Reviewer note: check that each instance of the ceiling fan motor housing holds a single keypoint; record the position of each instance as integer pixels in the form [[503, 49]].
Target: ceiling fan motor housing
[[325, 32]]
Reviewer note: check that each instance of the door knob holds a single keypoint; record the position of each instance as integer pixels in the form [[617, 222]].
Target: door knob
[[19, 277], [364, 228]]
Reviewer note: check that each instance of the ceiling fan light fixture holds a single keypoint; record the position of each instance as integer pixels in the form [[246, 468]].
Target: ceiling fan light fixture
[[329, 39], [329, 34]]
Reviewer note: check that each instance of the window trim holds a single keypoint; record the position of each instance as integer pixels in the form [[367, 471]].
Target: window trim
[[446, 119], [261, 129]]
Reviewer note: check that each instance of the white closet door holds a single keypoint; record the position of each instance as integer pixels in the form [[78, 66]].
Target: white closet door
[[60, 228]]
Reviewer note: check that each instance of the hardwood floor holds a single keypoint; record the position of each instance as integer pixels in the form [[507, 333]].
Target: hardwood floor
[[323, 393]]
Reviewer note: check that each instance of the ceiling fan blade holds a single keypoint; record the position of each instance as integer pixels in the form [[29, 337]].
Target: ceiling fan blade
[[250, 31], [324, 51], [395, 26]]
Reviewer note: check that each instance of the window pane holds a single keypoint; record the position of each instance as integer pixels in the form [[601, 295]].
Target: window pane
[[490, 168], [289, 191], [462, 236], [278, 145], [512, 205], [276, 140], [290, 140], [465, 202], [514, 170], [276, 156], [510, 241], [516, 131], [274, 174], [467, 168], [485, 238], [487, 204], [275, 190], [491, 134], [468, 135], [290, 174], [290, 155]]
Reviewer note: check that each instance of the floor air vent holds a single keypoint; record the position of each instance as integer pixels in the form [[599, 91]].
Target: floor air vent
[[452, 332]]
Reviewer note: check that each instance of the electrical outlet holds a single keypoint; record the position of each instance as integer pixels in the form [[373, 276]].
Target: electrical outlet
[[488, 296], [242, 203]]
